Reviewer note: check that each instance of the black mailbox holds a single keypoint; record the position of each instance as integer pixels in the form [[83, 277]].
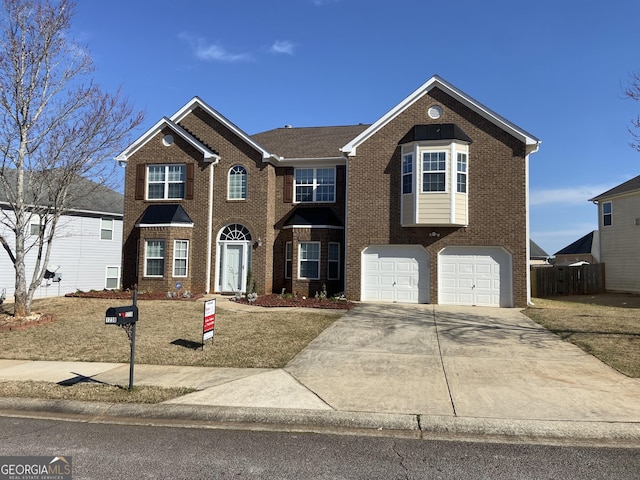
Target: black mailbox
[[121, 315]]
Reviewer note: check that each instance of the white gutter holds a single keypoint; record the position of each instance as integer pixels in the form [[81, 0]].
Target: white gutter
[[528, 227], [207, 286]]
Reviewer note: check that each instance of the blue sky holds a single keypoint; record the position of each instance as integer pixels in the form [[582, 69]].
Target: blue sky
[[555, 68]]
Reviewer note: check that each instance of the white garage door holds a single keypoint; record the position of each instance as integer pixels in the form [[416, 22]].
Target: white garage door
[[475, 276], [395, 273]]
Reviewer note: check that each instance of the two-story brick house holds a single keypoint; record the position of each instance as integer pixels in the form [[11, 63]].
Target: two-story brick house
[[427, 204]]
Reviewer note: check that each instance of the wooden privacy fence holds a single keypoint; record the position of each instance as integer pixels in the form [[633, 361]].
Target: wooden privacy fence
[[565, 280]]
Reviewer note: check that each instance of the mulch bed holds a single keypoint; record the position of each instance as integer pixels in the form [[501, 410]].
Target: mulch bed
[[128, 295], [274, 300], [9, 322]]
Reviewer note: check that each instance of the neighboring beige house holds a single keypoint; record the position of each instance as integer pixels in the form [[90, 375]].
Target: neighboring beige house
[[619, 232], [585, 249], [429, 204], [537, 256]]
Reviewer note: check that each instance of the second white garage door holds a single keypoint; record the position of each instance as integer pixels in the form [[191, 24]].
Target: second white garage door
[[475, 276], [395, 273]]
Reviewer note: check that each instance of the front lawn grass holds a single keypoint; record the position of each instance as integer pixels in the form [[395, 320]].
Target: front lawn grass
[[610, 333]]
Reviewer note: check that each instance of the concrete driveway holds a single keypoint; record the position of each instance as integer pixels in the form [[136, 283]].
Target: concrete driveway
[[460, 361]]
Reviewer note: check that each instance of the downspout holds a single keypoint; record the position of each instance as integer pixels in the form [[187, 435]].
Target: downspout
[[346, 222], [207, 287], [528, 247]]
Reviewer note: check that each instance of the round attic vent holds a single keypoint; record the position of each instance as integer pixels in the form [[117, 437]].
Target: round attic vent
[[167, 140], [435, 111]]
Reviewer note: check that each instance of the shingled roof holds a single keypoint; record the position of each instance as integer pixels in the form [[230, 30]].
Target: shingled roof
[[308, 142], [84, 195], [626, 187], [581, 246]]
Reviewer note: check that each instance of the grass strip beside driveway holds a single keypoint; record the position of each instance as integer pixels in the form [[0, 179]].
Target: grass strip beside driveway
[[610, 333]]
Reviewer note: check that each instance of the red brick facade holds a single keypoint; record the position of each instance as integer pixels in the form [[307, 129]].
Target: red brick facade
[[367, 205]]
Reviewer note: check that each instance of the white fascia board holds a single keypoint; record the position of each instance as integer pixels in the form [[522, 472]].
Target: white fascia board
[[208, 154], [435, 81], [198, 102]]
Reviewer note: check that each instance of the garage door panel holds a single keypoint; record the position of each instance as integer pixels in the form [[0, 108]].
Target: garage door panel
[[395, 273], [475, 276]]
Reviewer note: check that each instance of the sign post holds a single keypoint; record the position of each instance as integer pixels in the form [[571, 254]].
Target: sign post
[[209, 321]]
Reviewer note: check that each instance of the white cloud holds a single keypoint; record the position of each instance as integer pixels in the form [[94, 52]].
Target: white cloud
[[578, 195], [282, 46], [212, 51]]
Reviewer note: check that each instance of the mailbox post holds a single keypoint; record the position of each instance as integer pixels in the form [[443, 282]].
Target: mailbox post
[[127, 318]]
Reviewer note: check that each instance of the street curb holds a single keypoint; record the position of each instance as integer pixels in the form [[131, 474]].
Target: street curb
[[362, 423]]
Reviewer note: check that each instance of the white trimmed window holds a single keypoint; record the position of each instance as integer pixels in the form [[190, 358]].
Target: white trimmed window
[[462, 173], [607, 214], [237, 185], [315, 185], [434, 171], [35, 225], [106, 229], [407, 173], [288, 259], [180, 258], [154, 258], [309, 260], [333, 261], [165, 182], [112, 279]]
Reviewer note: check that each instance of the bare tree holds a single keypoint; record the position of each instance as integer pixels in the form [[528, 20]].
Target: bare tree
[[56, 127], [633, 92]]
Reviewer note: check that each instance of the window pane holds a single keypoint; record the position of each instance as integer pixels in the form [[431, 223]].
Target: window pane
[[304, 194], [155, 267], [112, 283], [237, 183], [433, 182], [288, 258], [309, 269], [606, 207], [176, 190], [156, 173], [325, 176], [325, 194], [156, 190], [462, 183], [176, 173], [304, 176], [106, 229], [310, 251]]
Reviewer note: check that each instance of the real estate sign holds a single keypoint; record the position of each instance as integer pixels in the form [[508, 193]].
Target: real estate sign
[[209, 322]]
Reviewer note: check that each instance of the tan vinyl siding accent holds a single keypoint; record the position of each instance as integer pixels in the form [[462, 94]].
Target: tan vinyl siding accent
[[461, 209], [619, 244], [434, 209], [408, 209]]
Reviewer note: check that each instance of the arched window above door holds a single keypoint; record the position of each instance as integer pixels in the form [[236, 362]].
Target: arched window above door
[[236, 232]]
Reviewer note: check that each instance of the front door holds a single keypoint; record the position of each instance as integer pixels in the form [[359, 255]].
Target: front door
[[233, 272]]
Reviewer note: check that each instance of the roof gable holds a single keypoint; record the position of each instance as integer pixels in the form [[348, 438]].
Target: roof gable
[[198, 102], [208, 154], [627, 187], [437, 82], [582, 245]]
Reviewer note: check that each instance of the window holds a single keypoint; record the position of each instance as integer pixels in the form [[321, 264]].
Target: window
[[288, 259], [180, 257], [165, 182], [315, 184], [237, 186], [607, 217], [462, 173], [407, 174], [333, 260], [36, 225], [309, 261], [154, 258], [112, 280], [106, 229], [434, 171]]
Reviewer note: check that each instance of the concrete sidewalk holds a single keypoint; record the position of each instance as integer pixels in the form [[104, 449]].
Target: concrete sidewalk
[[419, 370]]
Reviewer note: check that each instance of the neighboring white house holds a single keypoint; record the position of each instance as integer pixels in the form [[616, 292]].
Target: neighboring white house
[[619, 231], [86, 251]]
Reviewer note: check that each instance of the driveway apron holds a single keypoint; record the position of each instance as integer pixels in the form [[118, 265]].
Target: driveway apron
[[460, 361]]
